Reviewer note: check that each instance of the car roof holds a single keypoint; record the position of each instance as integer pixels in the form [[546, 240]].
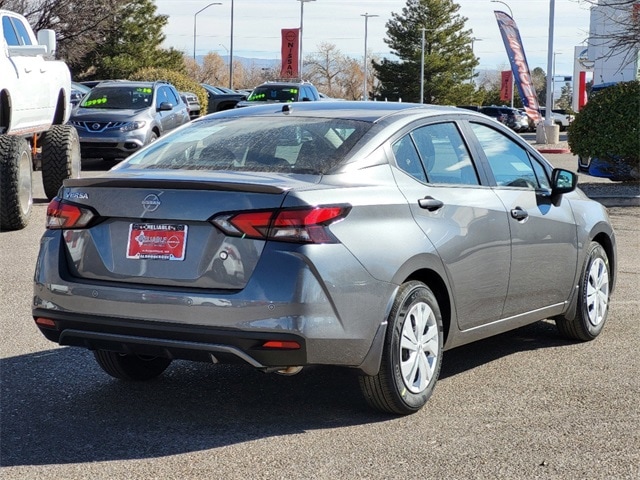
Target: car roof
[[129, 83], [348, 110]]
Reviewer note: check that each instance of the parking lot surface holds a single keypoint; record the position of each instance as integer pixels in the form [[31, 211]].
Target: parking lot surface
[[525, 404]]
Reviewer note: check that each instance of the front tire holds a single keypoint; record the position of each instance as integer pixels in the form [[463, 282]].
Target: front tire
[[593, 298], [60, 157], [412, 353], [16, 194], [131, 367]]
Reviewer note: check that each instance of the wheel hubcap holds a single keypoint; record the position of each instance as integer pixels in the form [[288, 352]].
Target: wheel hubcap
[[597, 291], [419, 347], [24, 173]]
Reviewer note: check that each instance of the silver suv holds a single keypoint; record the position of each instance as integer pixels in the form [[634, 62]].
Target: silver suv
[[119, 117]]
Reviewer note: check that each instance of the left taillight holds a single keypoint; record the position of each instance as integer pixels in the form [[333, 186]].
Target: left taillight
[[298, 225], [61, 214]]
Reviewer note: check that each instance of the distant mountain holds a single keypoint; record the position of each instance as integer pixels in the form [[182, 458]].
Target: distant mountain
[[247, 62]]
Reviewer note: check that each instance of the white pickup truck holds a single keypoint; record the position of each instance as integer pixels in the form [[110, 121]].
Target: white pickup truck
[[34, 109]]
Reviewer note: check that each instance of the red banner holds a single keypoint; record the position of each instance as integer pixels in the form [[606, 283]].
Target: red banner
[[506, 85], [289, 51]]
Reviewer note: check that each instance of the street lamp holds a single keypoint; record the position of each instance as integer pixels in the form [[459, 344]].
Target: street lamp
[[422, 68], [473, 40], [366, 16], [194, 26], [231, 52], [553, 89], [513, 80], [503, 3], [302, 2], [548, 121]]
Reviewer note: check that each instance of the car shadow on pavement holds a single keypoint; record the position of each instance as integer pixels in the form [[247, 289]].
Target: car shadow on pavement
[[58, 407]]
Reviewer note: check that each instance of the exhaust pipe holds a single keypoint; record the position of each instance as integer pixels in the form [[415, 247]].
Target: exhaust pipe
[[289, 371]]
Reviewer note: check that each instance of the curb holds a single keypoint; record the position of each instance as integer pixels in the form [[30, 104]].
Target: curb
[[553, 150]]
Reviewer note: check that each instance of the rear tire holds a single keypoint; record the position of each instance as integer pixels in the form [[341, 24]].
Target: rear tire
[[16, 195], [131, 367], [412, 353], [593, 298], [60, 157]]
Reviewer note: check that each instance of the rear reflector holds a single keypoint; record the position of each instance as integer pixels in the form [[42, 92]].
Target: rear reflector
[[282, 344], [45, 322]]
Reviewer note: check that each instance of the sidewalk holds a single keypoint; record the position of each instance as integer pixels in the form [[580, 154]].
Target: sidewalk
[[603, 190]]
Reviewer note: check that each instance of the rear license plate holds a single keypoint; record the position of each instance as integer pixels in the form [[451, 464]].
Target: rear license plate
[[149, 241]]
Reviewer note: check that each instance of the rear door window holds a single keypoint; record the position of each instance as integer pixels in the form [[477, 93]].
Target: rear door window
[[436, 154]]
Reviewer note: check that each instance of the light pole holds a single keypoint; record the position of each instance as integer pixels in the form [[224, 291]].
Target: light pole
[[553, 89], [194, 26], [302, 2], [231, 52], [513, 80], [422, 67], [366, 16], [473, 40], [548, 121]]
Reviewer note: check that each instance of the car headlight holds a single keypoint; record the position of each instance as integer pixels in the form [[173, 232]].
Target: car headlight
[[127, 127]]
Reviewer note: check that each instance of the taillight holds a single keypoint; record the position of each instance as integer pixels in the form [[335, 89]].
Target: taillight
[[299, 225], [61, 214]]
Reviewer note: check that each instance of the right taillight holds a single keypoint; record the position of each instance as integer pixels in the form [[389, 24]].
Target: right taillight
[[298, 225], [61, 214]]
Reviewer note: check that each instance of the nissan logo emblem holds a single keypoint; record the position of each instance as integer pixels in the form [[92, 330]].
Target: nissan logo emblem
[[95, 126], [150, 203]]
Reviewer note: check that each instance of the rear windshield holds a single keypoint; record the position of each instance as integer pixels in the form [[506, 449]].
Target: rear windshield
[[119, 97], [265, 144], [274, 94]]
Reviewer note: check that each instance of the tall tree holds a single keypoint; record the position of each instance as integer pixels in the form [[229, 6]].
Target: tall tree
[[448, 55], [132, 41], [80, 25]]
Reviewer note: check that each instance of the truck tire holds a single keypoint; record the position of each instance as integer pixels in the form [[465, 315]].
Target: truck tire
[[16, 197], [60, 157]]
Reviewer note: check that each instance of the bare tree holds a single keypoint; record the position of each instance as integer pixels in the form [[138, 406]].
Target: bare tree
[[624, 38]]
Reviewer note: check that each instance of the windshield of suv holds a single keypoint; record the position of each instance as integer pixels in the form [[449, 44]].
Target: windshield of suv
[[119, 97], [257, 144], [274, 94]]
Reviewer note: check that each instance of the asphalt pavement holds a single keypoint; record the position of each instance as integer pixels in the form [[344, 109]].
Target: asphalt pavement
[[526, 404]]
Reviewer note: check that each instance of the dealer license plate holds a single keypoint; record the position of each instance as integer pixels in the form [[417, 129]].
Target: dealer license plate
[[149, 241]]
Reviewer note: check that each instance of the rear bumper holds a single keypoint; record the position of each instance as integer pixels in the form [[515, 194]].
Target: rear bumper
[[288, 298], [187, 342]]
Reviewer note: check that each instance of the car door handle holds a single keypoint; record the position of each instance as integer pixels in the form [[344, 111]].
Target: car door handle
[[519, 214], [430, 203]]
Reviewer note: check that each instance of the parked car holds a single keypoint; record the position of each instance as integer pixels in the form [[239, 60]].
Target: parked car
[[78, 91], [192, 102], [281, 92], [563, 121], [219, 100], [119, 117], [368, 235]]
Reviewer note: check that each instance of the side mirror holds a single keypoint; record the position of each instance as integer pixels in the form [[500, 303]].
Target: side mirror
[[563, 181], [165, 106], [47, 38]]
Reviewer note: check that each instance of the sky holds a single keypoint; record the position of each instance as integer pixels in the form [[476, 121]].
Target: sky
[[257, 25]]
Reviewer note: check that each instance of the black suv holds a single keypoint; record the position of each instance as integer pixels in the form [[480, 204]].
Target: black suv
[[281, 92]]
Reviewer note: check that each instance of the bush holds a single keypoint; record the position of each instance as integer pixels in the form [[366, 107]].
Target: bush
[[608, 128], [179, 80]]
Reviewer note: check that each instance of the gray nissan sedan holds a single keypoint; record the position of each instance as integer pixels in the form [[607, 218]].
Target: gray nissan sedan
[[367, 235]]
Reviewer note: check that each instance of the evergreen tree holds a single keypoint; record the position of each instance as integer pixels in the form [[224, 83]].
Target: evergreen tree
[[132, 42], [448, 56]]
